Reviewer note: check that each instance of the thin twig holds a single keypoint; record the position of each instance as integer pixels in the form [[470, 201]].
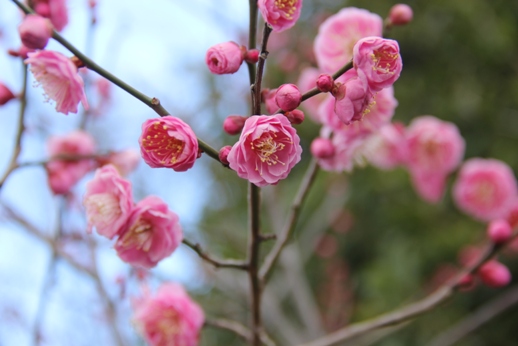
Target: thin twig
[[408, 312], [215, 262], [289, 228], [233, 326], [151, 102], [256, 86]]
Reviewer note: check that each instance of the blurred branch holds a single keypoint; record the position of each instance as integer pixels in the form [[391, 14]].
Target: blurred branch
[[215, 262], [408, 312], [18, 140], [289, 228], [151, 102], [238, 329], [481, 316]]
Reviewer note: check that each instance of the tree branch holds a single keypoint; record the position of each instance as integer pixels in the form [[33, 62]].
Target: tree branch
[[215, 262]]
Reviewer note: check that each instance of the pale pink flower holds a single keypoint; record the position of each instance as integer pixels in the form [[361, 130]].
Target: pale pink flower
[[280, 14], [386, 148], [168, 142], [306, 82], [435, 148], [267, 150], [6, 94], [151, 234], [400, 14], [125, 161], [225, 58], [340, 32], [108, 202], [377, 61], [35, 31], [348, 152], [485, 189], [288, 97], [59, 78], [494, 274], [352, 98], [168, 318], [63, 174]]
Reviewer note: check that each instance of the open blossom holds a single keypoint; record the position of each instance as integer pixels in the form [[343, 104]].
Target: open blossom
[[225, 58], [352, 98], [63, 174], [108, 202], [168, 142], [55, 10], [485, 189], [151, 234], [169, 317], [280, 14], [35, 31], [435, 148], [267, 150], [386, 148], [59, 78], [377, 61], [338, 34]]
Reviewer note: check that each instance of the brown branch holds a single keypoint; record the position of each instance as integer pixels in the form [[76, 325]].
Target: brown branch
[[408, 312], [238, 329], [215, 262], [289, 228]]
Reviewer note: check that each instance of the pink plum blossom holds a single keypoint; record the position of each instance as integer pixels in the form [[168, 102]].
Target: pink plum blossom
[[169, 317], [225, 58], [151, 234], [499, 231], [35, 31], [288, 97], [168, 142], [386, 148], [6, 94], [352, 98], [435, 149], [339, 33], [377, 61], [485, 189], [267, 150], [108, 202], [63, 174], [347, 152], [280, 14], [59, 78]]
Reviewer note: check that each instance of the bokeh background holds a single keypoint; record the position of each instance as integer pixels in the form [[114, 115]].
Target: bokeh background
[[365, 243]]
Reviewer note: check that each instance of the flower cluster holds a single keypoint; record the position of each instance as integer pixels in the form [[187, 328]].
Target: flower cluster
[[147, 231]]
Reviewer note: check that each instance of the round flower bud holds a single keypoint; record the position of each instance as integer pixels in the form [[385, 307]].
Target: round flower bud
[[325, 83], [494, 274], [288, 97], [499, 231], [400, 14], [233, 124], [252, 56], [6, 94], [295, 117], [35, 31], [223, 154], [322, 148], [224, 58]]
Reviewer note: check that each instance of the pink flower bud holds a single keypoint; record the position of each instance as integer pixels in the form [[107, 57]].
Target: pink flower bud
[[400, 14], [295, 117], [281, 15], [252, 56], [224, 58], [233, 124], [499, 231], [6, 94], [168, 142], [43, 9], [288, 97], [322, 148], [325, 83], [494, 274], [35, 31], [223, 154]]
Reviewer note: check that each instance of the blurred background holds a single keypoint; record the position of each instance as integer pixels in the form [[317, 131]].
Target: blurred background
[[365, 243]]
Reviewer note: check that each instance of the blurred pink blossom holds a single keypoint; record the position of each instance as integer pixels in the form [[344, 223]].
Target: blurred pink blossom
[[347, 152], [125, 161], [485, 189], [435, 149], [55, 10], [494, 274], [352, 98], [267, 150], [63, 174], [35, 31], [386, 148], [59, 78], [499, 231], [151, 234], [400, 14], [168, 142], [377, 61], [280, 14], [340, 32], [169, 317], [108, 202], [225, 58]]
